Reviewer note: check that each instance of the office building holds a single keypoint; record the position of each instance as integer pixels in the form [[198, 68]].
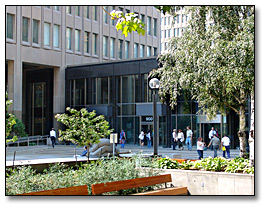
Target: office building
[[41, 41]]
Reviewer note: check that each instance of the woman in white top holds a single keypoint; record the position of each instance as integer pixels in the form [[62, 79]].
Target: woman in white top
[[200, 145], [180, 137], [141, 138]]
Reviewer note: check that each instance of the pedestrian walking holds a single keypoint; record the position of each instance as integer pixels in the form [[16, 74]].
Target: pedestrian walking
[[148, 137], [189, 138], [225, 144], [84, 153], [174, 138], [53, 136], [181, 138], [122, 138], [141, 138], [215, 142], [200, 146], [211, 134]]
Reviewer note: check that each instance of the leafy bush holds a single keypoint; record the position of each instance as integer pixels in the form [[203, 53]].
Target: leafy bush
[[167, 163], [25, 179], [237, 165]]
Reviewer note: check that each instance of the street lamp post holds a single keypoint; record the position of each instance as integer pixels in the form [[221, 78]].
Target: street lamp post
[[154, 85]]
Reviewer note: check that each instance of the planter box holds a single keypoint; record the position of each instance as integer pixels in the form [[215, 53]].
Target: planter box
[[212, 183]]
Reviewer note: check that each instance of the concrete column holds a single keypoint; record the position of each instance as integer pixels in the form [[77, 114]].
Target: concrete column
[[18, 71], [10, 89], [58, 94]]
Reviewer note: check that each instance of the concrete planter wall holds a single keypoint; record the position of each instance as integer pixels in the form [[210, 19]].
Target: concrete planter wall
[[212, 183]]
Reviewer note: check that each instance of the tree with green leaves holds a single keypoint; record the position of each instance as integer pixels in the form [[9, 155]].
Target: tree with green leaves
[[82, 127], [10, 121], [214, 60]]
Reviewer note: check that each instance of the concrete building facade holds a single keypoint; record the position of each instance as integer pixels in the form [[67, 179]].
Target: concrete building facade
[[41, 41]]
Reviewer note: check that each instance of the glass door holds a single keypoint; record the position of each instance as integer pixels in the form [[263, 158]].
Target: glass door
[[38, 108]]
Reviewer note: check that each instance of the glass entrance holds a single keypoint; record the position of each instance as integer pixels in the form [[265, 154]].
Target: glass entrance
[[146, 127], [205, 129], [38, 108]]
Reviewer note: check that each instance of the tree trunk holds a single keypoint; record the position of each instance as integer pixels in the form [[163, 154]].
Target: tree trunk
[[241, 133], [251, 132]]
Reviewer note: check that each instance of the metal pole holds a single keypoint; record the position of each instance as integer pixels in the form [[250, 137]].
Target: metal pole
[[155, 122], [76, 157], [14, 158]]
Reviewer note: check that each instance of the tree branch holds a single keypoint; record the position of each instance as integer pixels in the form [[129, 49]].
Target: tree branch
[[106, 11], [234, 109]]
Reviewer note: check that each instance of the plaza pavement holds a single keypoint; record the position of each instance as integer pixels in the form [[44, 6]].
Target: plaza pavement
[[62, 153]]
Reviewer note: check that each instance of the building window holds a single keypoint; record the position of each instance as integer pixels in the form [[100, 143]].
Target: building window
[[10, 26], [141, 51], [112, 20], [165, 20], [175, 32], [155, 51], [86, 42], [105, 46], [78, 89], [94, 43], [162, 21], [183, 18], [166, 33], [56, 8], [112, 47], [25, 25], [155, 27], [100, 90], [56, 35], [46, 34], [178, 18], [148, 51], [166, 46], [68, 38], [105, 16], [77, 11], [162, 33], [86, 12], [135, 50], [126, 49], [142, 18], [77, 40], [169, 31], [94, 12], [68, 9], [35, 31], [127, 93], [148, 25], [120, 49]]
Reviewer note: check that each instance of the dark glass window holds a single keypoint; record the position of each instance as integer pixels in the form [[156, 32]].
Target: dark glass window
[[10, 26], [25, 25], [78, 89], [35, 31], [102, 90]]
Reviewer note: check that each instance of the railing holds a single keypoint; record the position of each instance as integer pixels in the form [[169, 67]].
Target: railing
[[30, 141]]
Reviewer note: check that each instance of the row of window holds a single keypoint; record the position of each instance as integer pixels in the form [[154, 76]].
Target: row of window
[[168, 20], [176, 32], [56, 29], [129, 87], [106, 17]]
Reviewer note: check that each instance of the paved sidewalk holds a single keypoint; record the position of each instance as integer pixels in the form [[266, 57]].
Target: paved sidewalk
[[67, 152]]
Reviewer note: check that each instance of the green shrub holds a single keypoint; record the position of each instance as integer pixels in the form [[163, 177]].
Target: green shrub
[[25, 179], [167, 163], [236, 165]]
